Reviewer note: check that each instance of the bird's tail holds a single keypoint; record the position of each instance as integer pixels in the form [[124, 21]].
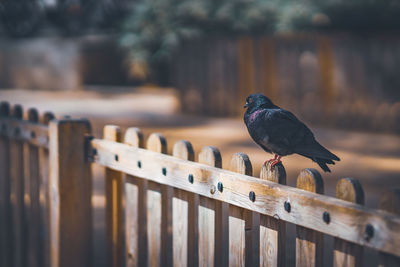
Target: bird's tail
[[323, 163]]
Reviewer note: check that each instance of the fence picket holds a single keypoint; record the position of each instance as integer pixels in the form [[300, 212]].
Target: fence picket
[[182, 221], [348, 254], [309, 243], [70, 191], [243, 224], [135, 212], [158, 204], [213, 219], [44, 244], [114, 201], [272, 230], [390, 202], [32, 202], [5, 211], [17, 193]]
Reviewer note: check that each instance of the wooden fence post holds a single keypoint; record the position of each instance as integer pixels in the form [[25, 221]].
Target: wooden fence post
[[5, 211], [114, 210], [390, 202], [272, 230], [309, 243], [213, 220], [184, 216], [135, 208], [17, 193], [158, 205], [244, 234], [32, 202], [345, 253], [44, 170], [70, 191]]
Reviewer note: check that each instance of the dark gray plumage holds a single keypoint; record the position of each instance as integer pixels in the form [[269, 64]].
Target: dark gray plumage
[[278, 131]]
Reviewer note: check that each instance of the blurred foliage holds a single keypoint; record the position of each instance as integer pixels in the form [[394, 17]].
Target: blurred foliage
[[156, 28]]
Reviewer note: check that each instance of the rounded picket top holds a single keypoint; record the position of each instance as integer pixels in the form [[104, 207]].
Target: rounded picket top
[[276, 174], [33, 115], [134, 137], [390, 201], [184, 150], [112, 133], [4, 109], [47, 117], [211, 156], [310, 180], [241, 163], [17, 111], [350, 189], [157, 143]]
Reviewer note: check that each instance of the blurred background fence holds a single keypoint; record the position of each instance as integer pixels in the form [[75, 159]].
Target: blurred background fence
[[352, 80]]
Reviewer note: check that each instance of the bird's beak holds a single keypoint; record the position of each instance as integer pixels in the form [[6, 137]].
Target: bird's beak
[[246, 105]]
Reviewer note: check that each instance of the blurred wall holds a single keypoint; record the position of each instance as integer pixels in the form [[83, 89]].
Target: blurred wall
[[56, 63], [338, 80]]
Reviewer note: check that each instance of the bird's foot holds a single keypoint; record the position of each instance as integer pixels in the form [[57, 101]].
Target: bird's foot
[[273, 161]]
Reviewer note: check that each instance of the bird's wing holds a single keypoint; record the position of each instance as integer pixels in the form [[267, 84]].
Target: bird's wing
[[301, 138]]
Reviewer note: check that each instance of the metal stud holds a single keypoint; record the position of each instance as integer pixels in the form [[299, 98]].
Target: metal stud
[[252, 196], [220, 187], [164, 171], [190, 178], [326, 217], [287, 206]]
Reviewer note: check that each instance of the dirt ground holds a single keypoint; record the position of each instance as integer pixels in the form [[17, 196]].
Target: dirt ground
[[372, 158]]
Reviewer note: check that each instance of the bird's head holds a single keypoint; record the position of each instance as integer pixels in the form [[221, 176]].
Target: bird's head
[[256, 101]]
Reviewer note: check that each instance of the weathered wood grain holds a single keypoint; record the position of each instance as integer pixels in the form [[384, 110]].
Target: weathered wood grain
[[243, 224], [44, 244], [390, 202], [270, 197], [114, 204], [272, 229], [207, 216], [158, 207], [70, 191], [348, 254], [5, 208], [17, 193], [134, 211], [32, 201], [309, 243], [182, 241]]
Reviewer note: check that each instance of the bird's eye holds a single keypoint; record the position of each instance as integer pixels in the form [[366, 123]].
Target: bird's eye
[[250, 100]]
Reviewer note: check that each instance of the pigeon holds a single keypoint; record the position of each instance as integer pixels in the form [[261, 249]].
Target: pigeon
[[281, 133]]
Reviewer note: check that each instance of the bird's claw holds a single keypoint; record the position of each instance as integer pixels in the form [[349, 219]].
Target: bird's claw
[[273, 162]]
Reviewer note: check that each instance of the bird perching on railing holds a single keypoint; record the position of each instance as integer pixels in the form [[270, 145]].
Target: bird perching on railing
[[279, 132]]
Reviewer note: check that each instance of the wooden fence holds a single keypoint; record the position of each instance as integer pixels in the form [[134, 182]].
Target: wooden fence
[[168, 210]]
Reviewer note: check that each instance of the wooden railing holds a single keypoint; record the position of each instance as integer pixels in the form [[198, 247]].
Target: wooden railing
[[164, 210]]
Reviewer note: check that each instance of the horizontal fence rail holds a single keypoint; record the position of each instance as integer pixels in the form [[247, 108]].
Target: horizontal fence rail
[[349, 221]]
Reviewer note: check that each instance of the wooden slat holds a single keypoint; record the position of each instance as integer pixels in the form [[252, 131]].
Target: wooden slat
[[158, 205], [270, 196], [135, 212], [213, 247], [347, 254], [309, 243], [114, 200], [33, 133], [180, 214], [272, 230], [17, 193], [32, 202], [44, 244], [390, 202], [243, 224], [5, 211], [70, 191]]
